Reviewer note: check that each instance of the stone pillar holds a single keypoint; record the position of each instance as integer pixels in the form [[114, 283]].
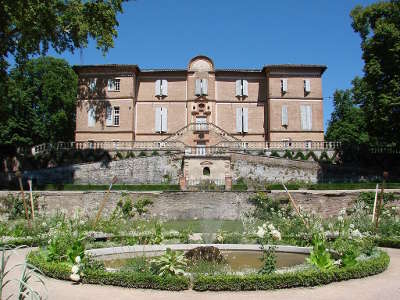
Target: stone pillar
[[228, 183], [182, 182]]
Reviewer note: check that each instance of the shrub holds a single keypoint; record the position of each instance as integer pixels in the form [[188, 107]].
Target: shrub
[[319, 256], [172, 263], [141, 205], [288, 154], [14, 206], [130, 154], [205, 253], [311, 154], [142, 154], [154, 153], [324, 157], [299, 155], [274, 153]]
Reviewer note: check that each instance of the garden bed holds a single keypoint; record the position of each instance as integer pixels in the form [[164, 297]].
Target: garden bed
[[304, 278]]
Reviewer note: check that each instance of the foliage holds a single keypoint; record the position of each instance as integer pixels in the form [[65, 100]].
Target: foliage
[[154, 153], [347, 124], [306, 278], [41, 106], [288, 154], [269, 260], [274, 153], [378, 92], [29, 274], [142, 154], [319, 256], [171, 263], [32, 27], [368, 198], [14, 206], [141, 205], [205, 253], [184, 235]]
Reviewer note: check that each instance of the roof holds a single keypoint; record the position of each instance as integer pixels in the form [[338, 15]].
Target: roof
[[121, 67]]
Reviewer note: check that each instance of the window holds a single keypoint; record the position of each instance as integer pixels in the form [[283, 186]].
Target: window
[[201, 87], [242, 88], [242, 121], [116, 144], [161, 88], [91, 117], [201, 148], [112, 116], [201, 123], [206, 171], [285, 120], [113, 85], [308, 144], [284, 86], [116, 115], [287, 143], [306, 117], [307, 86], [92, 84], [161, 119]]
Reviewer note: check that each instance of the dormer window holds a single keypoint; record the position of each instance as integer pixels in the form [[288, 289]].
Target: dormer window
[[113, 85], [242, 88], [307, 86], [284, 86], [161, 88], [201, 87]]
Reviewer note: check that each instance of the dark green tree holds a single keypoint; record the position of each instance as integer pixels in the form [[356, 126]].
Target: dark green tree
[[378, 92], [347, 123], [41, 103]]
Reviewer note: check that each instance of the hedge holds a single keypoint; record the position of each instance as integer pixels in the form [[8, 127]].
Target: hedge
[[102, 187], [60, 270], [389, 242], [291, 279]]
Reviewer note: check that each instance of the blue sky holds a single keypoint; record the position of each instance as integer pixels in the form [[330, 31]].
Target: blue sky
[[251, 33]]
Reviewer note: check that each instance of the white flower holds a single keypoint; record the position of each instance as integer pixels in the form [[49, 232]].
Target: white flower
[[271, 227], [276, 234], [44, 224], [75, 269], [356, 233], [340, 218], [351, 226], [78, 259], [75, 277], [261, 232]]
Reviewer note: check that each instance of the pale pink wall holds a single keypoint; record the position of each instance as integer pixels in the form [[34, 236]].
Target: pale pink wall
[[176, 88], [295, 87]]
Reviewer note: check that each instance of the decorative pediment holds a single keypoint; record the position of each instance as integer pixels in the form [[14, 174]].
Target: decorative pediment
[[206, 163]]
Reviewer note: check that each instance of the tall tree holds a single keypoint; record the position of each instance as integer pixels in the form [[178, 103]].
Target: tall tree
[[41, 103], [378, 92], [30, 27], [347, 123]]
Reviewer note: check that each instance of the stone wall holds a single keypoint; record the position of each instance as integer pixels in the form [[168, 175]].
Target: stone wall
[[154, 169], [196, 205], [269, 169]]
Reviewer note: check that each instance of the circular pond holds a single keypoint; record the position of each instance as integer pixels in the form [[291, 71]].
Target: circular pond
[[237, 257], [236, 260]]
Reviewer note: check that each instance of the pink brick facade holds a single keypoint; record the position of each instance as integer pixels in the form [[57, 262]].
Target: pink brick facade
[[130, 110]]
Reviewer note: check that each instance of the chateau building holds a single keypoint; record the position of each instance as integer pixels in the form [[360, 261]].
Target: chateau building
[[200, 106]]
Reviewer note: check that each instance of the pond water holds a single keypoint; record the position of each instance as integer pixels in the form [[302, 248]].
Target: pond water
[[238, 260]]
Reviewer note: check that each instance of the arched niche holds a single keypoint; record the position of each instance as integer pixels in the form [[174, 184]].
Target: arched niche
[[201, 63]]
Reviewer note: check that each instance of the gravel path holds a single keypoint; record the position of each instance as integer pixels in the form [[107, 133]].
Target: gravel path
[[382, 286]]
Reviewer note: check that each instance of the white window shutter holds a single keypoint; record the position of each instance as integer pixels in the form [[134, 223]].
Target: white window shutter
[[284, 115], [109, 116], [157, 88], [303, 115], [245, 119], [309, 117], [164, 119], [198, 87], [158, 119], [164, 87], [307, 86], [284, 85], [110, 84], [245, 88], [239, 119], [91, 117], [204, 87], [238, 88]]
